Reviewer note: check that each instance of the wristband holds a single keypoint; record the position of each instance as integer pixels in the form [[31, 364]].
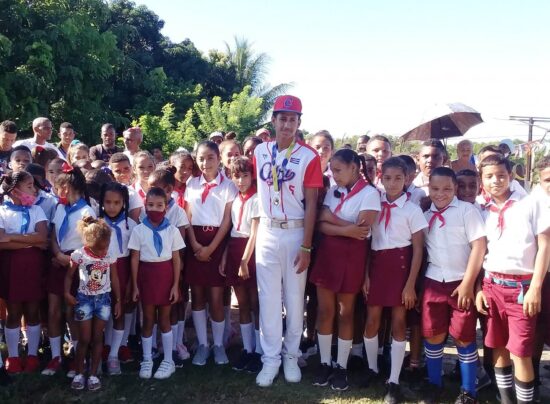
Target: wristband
[[306, 249]]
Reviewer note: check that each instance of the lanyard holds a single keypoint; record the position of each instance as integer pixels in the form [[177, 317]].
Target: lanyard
[[274, 169]]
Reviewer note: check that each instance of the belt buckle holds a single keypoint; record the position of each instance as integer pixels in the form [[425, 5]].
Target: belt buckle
[[207, 228]]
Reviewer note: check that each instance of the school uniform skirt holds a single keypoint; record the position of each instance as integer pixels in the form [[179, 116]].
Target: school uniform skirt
[[22, 275], [235, 251], [124, 272], [340, 264], [388, 274], [155, 280], [205, 274], [55, 281]]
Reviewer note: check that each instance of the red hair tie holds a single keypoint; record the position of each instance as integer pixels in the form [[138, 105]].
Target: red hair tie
[[39, 149], [67, 168]]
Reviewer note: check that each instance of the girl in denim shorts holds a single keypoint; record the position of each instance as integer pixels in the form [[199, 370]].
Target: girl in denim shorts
[[92, 306]]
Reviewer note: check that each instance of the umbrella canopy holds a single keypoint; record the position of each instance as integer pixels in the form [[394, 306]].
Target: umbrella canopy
[[447, 120]]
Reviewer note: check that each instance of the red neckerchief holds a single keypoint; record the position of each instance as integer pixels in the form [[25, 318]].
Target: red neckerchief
[[139, 190], [386, 211], [243, 198], [357, 187], [437, 214], [92, 254], [495, 209], [207, 187], [180, 200]]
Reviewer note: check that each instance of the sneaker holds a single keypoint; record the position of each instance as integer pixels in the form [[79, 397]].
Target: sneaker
[[465, 398], [482, 379], [52, 367], [339, 380], [431, 393], [255, 363], [244, 358], [267, 375], [201, 355], [356, 363], [113, 367], [178, 362], [393, 394], [125, 354], [165, 370], [32, 364], [370, 378], [78, 382], [183, 353], [220, 357], [93, 383], [293, 374], [146, 369], [308, 348], [322, 377], [105, 353], [5, 378], [14, 365], [71, 373]]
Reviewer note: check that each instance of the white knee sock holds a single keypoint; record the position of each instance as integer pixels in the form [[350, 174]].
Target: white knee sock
[[167, 338], [217, 331], [397, 356], [12, 339], [181, 332], [116, 339], [33, 338], [55, 344], [247, 335], [325, 342], [174, 334], [344, 347], [371, 347], [128, 317], [199, 320], [147, 347], [258, 349]]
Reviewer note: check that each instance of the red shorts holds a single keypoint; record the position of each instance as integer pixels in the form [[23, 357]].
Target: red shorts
[[544, 316], [340, 264], [507, 326], [206, 274], [388, 274], [440, 312], [124, 272], [22, 275], [155, 280], [235, 251]]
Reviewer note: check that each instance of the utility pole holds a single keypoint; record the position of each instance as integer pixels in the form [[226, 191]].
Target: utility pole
[[530, 120]]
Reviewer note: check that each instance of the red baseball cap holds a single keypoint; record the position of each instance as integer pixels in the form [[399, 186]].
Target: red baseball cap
[[288, 103]]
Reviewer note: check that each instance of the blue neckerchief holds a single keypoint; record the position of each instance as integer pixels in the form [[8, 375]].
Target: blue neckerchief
[[64, 228], [40, 200], [171, 203], [114, 225], [26, 217], [157, 239]]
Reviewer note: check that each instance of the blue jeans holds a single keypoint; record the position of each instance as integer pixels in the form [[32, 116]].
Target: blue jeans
[[89, 306]]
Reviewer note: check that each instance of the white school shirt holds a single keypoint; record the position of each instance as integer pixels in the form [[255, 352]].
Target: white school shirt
[[48, 203], [72, 239], [329, 175], [175, 215], [114, 250], [302, 171], [366, 199], [11, 220], [422, 182], [209, 213], [250, 211], [134, 200], [94, 273], [406, 219], [449, 245], [31, 144], [416, 194], [141, 240], [514, 252], [515, 186]]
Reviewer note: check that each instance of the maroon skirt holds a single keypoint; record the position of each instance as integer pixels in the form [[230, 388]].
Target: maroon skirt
[[388, 274], [22, 275], [198, 273], [235, 251], [124, 272], [340, 264], [55, 282], [155, 280]]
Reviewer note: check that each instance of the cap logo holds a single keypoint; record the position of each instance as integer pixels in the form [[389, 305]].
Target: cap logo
[[288, 102]]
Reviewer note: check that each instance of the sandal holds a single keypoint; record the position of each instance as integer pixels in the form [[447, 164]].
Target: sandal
[[78, 382], [93, 383]]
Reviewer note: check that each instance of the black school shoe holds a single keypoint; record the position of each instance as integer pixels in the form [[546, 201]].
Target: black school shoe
[[370, 378], [323, 375], [339, 379], [5, 379], [393, 394], [255, 363], [243, 361], [465, 398]]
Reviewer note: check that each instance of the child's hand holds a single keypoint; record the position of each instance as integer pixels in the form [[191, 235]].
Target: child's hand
[[174, 294], [128, 295], [62, 259], [357, 232], [203, 254], [366, 286], [135, 294], [221, 268], [532, 302], [117, 310], [408, 297], [243, 271], [481, 303], [70, 299], [4, 238], [465, 296]]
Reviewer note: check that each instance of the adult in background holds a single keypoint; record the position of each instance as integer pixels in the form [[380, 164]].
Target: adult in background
[[42, 130], [8, 134], [289, 176], [107, 148], [216, 137], [66, 135], [132, 140], [362, 144], [464, 150]]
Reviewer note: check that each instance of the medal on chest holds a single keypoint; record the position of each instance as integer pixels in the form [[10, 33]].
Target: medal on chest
[[278, 182]]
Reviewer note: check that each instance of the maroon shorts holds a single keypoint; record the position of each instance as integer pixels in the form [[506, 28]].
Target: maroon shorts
[[124, 272], [388, 274], [507, 326], [22, 275], [206, 274], [440, 312], [155, 280], [235, 250], [340, 264], [544, 316], [55, 282]]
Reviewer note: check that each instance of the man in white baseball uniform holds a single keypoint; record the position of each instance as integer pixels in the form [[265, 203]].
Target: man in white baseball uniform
[[288, 176]]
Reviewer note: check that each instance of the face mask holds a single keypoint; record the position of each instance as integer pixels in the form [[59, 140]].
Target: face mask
[[63, 200], [26, 199], [155, 216]]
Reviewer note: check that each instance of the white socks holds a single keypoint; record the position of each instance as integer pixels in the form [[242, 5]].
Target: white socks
[[116, 339], [174, 334], [344, 348], [397, 356], [248, 337], [55, 344], [258, 348], [12, 339], [128, 317], [217, 331], [33, 338], [324, 348], [371, 347], [199, 321], [147, 347], [167, 338]]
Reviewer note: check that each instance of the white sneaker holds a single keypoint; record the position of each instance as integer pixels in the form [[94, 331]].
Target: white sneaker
[[146, 369], [293, 374], [267, 375], [165, 370]]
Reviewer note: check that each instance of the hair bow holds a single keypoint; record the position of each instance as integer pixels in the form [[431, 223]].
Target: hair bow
[[67, 168], [39, 149]]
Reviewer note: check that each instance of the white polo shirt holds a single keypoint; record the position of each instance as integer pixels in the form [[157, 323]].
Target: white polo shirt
[[141, 240], [114, 250], [406, 219], [31, 144], [250, 211], [72, 239], [449, 245], [11, 220], [302, 171], [135, 200], [513, 251], [416, 194], [366, 199], [209, 213]]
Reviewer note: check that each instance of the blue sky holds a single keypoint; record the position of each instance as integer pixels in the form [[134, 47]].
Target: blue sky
[[380, 65]]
